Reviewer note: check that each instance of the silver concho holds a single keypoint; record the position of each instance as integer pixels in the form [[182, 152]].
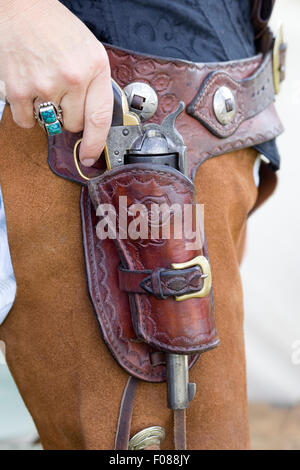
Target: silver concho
[[224, 105], [152, 436], [142, 99]]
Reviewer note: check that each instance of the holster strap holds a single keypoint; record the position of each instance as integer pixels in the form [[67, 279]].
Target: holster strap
[[161, 282], [125, 414]]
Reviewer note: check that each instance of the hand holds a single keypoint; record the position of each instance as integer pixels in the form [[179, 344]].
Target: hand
[[48, 54]]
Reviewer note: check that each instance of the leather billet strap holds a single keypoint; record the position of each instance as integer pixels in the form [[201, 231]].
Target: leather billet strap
[[161, 282], [250, 81]]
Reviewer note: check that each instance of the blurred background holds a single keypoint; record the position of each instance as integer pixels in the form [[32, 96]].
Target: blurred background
[[270, 273]]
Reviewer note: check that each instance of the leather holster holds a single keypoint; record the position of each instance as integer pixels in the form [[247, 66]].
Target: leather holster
[[145, 273]]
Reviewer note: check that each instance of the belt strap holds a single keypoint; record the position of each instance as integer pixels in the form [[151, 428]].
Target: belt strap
[[249, 97]]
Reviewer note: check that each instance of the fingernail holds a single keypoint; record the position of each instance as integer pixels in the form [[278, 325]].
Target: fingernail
[[88, 162]]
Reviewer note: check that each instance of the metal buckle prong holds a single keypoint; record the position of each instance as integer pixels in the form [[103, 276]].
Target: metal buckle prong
[[206, 275]]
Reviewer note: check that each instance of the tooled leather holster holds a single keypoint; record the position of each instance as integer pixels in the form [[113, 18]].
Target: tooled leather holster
[[152, 294]]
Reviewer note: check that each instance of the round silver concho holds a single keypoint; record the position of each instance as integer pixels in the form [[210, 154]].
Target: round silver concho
[[152, 436], [142, 99], [224, 105]]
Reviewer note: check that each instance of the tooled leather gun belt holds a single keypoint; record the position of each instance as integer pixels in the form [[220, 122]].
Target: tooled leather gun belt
[[152, 296]]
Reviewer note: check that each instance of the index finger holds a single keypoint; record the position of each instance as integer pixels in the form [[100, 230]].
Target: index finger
[[97, 118]]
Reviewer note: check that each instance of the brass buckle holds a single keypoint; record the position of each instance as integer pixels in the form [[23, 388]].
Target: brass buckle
[[206, 274], [276, 59]]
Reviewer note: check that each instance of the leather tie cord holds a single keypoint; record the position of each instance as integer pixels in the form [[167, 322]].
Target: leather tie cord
[[125, 414]]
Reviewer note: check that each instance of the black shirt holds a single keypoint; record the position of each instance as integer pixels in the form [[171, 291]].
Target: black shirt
[[195, 30]]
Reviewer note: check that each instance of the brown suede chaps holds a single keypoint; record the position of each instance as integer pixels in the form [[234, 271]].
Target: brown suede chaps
[[68, 379]]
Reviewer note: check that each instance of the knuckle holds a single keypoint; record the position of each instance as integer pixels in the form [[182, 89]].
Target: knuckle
[[101, 60], [46, 90], [18, 94], [73, 77], [103, 64]]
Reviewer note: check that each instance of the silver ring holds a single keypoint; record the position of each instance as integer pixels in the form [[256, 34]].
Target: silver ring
[[50, 117]]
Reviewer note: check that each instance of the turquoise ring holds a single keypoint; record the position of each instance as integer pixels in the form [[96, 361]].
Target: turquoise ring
[[49, 116]]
